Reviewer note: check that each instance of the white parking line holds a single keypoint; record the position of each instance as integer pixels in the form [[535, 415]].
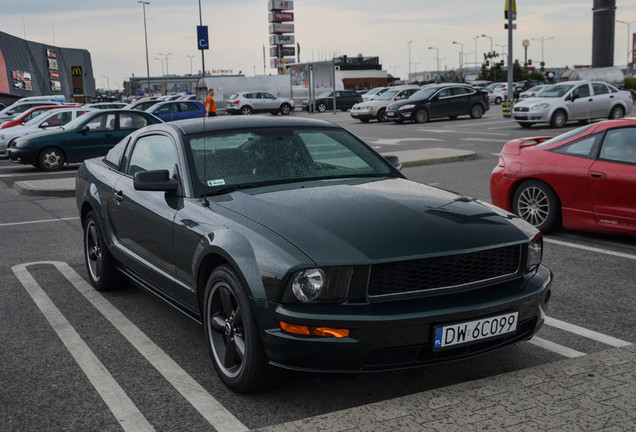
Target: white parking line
[[221, 419], [590, 248], [124, 410], [559, 349], [590, 334], [37, 221]]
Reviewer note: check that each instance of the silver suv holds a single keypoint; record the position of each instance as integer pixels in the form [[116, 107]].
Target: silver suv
[[376, 108], [249, 102], [573, 100]]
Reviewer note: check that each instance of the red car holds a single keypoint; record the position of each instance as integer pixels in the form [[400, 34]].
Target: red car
[[584, 179], [29, 114]]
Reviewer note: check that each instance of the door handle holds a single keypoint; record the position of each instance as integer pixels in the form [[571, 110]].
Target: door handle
[[119, 196], [598, 174], [109, 135]]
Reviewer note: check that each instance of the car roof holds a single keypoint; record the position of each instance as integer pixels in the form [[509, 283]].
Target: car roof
[[224, 123]]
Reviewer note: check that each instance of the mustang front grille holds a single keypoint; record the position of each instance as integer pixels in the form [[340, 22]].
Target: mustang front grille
[[399, 279]]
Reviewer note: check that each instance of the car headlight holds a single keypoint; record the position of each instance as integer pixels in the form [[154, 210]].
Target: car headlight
[[1, 137], [535, 253], [406, 107], [365, 108], [540, 106], [21, 144], [318, 285]]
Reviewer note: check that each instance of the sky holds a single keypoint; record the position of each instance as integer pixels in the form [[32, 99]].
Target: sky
[[113, 32]]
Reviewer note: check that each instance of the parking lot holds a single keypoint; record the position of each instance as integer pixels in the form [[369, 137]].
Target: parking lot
[[75, 359]]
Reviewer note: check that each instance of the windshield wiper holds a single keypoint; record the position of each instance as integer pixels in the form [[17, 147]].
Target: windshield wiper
[[231, 188]]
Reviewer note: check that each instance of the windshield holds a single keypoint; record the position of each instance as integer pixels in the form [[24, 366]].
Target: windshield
[[387, 95], [555, 91], [39, 118], [247, 158], [425, 93], [565, 136]]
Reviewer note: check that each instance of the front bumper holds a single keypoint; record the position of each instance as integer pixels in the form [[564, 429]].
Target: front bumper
[[24, 156], [536, 116], [398, 115], [400, 334]]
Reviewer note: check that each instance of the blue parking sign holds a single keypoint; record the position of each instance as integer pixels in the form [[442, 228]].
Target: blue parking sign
[[202, 37]]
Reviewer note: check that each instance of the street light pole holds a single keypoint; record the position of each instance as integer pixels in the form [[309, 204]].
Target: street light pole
[[542, 39], [107, 82], [190, 57], [476, 37], [486, 36], [409, 75], [437, 80], [461, 56], [144, 3], [628, 33]]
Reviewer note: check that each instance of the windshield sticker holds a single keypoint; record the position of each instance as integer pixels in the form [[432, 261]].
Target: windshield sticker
[[219, 182]]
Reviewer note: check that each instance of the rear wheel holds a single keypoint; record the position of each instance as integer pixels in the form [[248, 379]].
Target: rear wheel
[[421, 116], [476, 111], [322, 107], [616, 113], [285, 109], [497, 100], [232, 335], [558, 119], [246, 110], [51, 159], [100, 264], [536, 203]]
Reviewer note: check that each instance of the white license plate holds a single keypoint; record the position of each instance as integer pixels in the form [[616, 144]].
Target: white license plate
[[390, 114], [466, 332]]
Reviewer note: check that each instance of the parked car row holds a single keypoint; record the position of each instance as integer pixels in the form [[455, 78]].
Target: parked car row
[[420, 104]]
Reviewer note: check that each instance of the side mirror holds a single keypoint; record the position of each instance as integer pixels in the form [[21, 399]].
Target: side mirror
[[45, 125], [394, 160], [155, 180], [85, 129]]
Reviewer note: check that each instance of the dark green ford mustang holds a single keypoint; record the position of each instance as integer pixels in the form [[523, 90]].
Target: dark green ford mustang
[[298, 246]]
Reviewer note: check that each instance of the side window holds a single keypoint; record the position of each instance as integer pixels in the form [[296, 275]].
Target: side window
[[114, 155], [444, 93], [152, 152], [97, 123], [581, 91], [268, 96], [167, 109], [127, 120], [582, 147], [460, 91], [599, 88], [619, 145]]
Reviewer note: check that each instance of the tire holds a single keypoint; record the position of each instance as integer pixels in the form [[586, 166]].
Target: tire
[[536, 203], [231, 333], [381, 115], [476, 111], [246, 110], [497, 100], [322, 107], [285, 109], [364, 120], [558, 119], [51, 159], [526, 125], [100, 264], [420, 116], [616, 113]]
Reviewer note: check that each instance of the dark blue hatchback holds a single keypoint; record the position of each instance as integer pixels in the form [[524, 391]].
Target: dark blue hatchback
[[177, 110]]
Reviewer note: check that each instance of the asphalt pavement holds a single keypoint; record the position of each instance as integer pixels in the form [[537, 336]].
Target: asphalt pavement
[[593, 392]]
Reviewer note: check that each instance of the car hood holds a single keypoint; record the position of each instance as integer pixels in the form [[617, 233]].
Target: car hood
[[50, 134], [359, 222], [536, 100]]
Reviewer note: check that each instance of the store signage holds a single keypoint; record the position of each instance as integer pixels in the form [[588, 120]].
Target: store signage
[[280, 5]]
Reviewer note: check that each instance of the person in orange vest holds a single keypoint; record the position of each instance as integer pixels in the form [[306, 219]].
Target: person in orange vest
[[210, 105]]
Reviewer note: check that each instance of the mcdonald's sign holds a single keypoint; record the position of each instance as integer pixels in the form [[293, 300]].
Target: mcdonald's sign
[[76, 71]]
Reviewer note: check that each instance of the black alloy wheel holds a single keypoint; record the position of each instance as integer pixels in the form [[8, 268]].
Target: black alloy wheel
[[231, 333], [322, 107], [476, 111], [100, 264], [285, 109], [381, 115]]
